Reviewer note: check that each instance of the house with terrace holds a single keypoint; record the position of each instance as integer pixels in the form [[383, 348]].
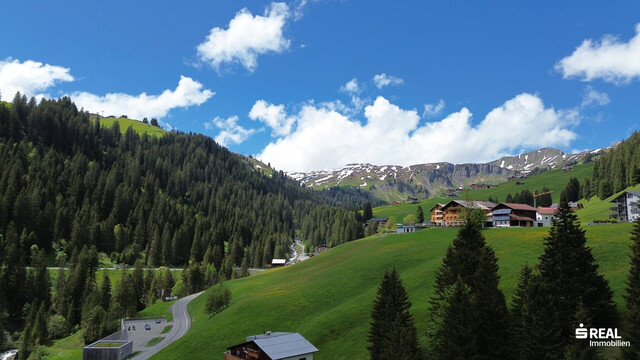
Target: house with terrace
[[626, 206], [510, 215]]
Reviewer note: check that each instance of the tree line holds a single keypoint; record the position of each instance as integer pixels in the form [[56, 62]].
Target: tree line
[[615, 170], [469, 318], [69, 185]]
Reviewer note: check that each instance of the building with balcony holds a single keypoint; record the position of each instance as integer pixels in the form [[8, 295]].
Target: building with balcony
[[626, 208]]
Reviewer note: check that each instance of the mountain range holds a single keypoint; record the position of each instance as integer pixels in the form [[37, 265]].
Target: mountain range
[[394, 182]]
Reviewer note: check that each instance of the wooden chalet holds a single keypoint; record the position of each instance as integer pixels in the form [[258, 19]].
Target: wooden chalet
[[272, 346], [510, 214], [436, 214]]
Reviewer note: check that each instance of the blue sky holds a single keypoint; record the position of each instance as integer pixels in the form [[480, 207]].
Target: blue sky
[[317, 84]]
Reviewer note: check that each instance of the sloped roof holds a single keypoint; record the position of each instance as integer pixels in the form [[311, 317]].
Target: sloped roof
[[284, 345], [546, 210], [624, 194], [515, 206], [520, 218], [485, 204]]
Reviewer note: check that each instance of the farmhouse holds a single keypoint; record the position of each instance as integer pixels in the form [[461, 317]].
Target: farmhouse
[[452, 211], [436, 214], [382, 222], [272, 346], [510, 214], [626, 208], [544, 215]]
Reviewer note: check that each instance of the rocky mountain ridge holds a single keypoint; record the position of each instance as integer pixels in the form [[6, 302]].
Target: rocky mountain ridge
[[395, 182]]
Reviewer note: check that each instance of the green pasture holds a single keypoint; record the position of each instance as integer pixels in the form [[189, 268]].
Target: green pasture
[[328, 298], [138, 126]]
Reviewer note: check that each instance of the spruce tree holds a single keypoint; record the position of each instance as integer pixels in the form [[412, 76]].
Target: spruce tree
[[470, 261], [632, 316], [569, 272], [579, 349], [367, 212], [419, 215], [457, 337], [392, 334]]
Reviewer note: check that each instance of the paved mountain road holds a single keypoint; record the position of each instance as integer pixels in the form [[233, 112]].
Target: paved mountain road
[[181, 324]]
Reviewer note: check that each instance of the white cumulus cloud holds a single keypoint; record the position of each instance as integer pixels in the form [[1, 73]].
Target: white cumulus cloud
[[382, 80], [189, 92], [231, 131], [608, 59], [29, 77], [246, 38], [273, 116], [433, 109], [593, 96], [327, 139], [351, 87]]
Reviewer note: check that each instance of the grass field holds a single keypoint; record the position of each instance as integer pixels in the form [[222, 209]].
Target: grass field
[[328, 298], [158, 310], [555, 180], [138, 126]]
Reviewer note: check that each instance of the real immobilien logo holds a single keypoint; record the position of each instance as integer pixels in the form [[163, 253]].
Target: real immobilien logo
[[601, 336]]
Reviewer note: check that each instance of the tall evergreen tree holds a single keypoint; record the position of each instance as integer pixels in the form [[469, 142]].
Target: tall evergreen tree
[[419, 215], [456, 337], [572, 190], [632, 316], [392, 334], [470, 261], [367, 213], [569, 274]]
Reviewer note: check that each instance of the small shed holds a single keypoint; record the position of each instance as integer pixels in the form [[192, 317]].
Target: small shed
[[272, 346], [278, 262]]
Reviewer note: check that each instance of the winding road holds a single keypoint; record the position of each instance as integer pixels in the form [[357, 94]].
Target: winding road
[[181, 324]]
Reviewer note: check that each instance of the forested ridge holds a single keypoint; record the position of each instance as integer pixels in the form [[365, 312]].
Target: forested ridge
[[69, 186], [616, 170]]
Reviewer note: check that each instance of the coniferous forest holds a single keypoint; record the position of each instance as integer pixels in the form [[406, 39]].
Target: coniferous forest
[[71, 188]]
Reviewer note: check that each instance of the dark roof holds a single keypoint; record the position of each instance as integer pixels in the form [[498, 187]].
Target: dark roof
[[520, 218], [515, 206], [636, 193], [281, 345]]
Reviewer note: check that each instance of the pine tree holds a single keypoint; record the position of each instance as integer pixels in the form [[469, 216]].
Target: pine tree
[[367, 212], [392, 322], [419, 215], [470, 261], [105, 292], [570, 273], [632, 316], [572, 190], [490, 309], [457, 338], [579, 349]]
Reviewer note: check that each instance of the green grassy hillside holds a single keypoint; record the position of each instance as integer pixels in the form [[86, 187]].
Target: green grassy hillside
[[138, 126], [328, 298], [555, 180]]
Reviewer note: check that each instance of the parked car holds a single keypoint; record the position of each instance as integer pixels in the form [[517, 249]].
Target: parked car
[[147, 327], [157, 321]]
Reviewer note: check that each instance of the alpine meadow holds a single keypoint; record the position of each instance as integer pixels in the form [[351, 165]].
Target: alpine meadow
[[319, 180]]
